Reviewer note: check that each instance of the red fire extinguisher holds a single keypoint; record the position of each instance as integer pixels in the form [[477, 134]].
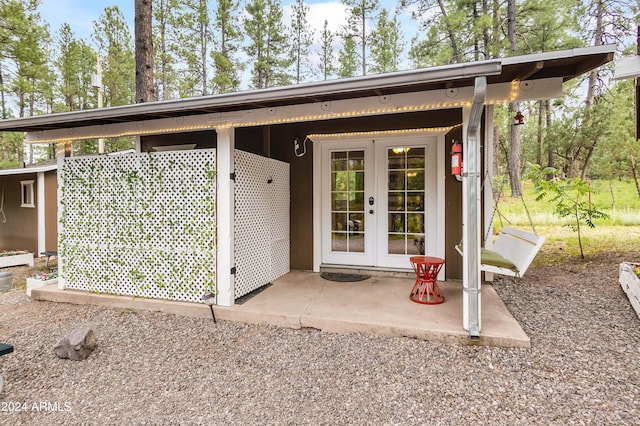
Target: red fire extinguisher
[[456, 158]]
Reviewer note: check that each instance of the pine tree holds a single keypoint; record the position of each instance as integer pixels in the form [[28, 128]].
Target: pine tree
[[301, 40], [361, 11], [30, 59], [167, 47], [268, 47], [348, 58], [327, 60], [25, 76], [114, 42], [75, 63], [226, 64], [194, 40], [386, 44]]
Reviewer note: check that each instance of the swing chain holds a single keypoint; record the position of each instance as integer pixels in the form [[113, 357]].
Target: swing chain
[[526, 209], [495, 209]]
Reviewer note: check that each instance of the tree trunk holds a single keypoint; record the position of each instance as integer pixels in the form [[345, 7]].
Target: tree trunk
[[495, 163], [485, 31], [514, 107], [593, 75], [364, 41], [2, 100], [634, 172], [145, 89], [587, 160], [476, 41], [541, 106], [511, 25], [514, 153], [549, 141], [452, 37], [204, 37]]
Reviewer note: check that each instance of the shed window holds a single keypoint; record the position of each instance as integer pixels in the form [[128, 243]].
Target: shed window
[[27, 193]]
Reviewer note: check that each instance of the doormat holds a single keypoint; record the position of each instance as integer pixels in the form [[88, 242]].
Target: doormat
[[248, 296], [343, 278]]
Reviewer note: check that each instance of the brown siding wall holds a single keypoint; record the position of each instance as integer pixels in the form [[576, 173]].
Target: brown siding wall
[[453, 211], [51, 210], [277, 142], [20, 231]]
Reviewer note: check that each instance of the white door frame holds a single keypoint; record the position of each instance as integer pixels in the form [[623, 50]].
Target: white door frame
[[434, 197], [368, 257], [439, 186]]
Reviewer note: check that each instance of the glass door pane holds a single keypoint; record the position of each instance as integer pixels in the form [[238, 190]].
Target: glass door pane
[[406, 200], [347, 201]]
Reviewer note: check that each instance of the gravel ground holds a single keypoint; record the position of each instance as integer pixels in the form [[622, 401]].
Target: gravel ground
[[152, 368]]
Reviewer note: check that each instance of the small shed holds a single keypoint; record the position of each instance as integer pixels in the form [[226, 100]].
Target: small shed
[[28, 208]]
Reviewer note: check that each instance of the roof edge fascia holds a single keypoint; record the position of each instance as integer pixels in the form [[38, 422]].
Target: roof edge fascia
[[251, 97], [28, 170], [561, 54]]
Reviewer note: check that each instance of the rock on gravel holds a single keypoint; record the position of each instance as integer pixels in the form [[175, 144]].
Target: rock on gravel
[[76, 345], [152, 368]]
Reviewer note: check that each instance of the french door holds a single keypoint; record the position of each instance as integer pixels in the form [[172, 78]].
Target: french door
[[379, 201], [348, 201]]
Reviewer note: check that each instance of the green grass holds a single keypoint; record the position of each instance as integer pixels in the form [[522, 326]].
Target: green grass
[[620, 233], [561, 243], [619, 199]]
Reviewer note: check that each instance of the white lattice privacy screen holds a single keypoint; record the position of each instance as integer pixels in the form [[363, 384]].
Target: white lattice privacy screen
[[261, 221], [140, 225]]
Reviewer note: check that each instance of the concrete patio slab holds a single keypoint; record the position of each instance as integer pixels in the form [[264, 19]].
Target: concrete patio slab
[[379, 305]]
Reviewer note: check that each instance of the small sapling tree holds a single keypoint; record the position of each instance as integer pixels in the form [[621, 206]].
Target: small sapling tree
[[570, 199]]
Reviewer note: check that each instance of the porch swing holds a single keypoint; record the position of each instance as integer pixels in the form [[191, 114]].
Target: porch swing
[[513, 250]]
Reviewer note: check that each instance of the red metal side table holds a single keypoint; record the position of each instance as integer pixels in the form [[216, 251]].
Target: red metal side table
[[426, 289]]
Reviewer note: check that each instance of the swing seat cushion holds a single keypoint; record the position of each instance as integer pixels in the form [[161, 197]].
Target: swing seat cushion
[[493, 258], [490, 257], [511, 254]]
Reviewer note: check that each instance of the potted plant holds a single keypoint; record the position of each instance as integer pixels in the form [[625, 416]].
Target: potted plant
[[41, 279], [15, 257]]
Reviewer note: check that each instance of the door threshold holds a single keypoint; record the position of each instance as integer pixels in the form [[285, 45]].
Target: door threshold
[[369, 270]]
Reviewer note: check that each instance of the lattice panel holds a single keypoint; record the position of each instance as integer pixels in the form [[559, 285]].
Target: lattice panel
[[279, 192], [251, 240], [261, 221], [140, 225]]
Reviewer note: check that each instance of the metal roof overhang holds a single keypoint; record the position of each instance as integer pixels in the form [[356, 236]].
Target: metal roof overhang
[[566, 64], [30, 169]]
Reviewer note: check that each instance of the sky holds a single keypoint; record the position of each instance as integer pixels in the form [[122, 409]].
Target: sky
[[80, 14]]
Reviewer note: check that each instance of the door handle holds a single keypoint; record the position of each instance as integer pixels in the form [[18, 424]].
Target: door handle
[[370, 201]]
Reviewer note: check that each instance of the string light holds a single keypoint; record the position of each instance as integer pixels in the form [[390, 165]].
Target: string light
[[515, 88], [513, 95], [272, 121], [386, 132]]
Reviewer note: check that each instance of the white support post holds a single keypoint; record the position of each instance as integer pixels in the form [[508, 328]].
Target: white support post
[[317, 208], [225, 259], [471, 210], [40, 205], [138, 145], [466, 112]]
